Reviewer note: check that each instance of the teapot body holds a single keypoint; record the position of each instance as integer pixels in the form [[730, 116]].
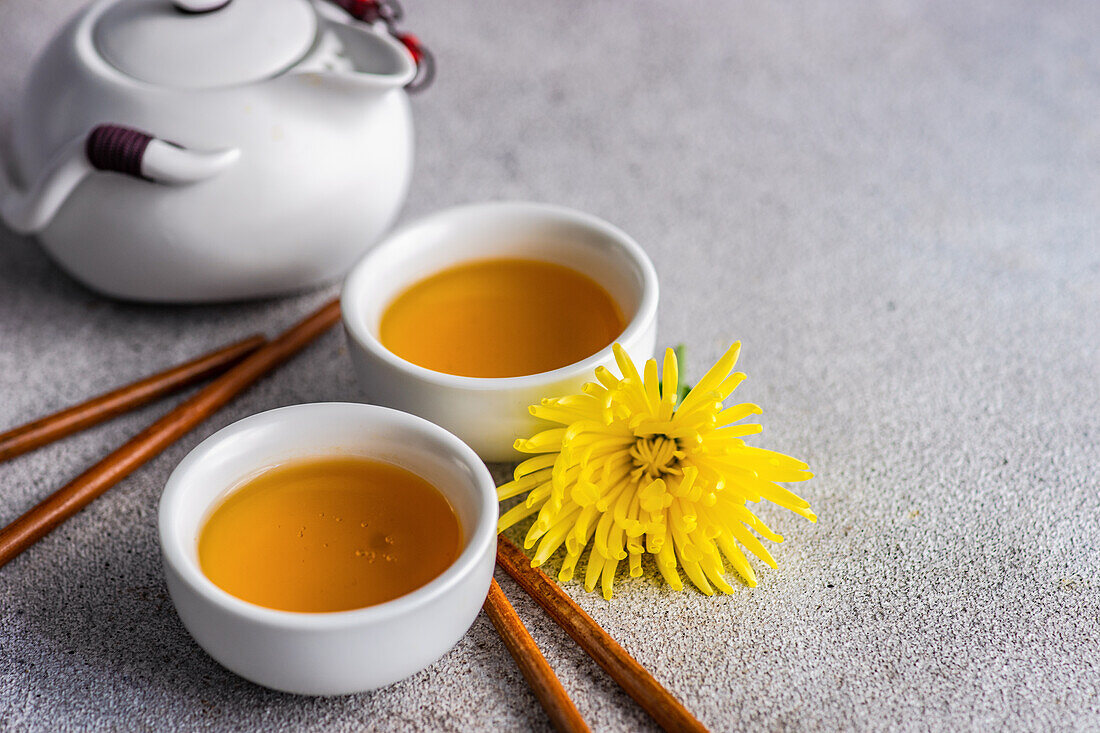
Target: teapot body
[[322, 172]]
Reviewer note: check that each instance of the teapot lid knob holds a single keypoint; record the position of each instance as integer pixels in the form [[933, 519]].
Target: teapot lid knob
[[198, 7]]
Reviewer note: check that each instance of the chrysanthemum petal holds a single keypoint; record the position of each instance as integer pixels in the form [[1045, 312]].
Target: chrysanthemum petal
[[695, 573], [596, 427], [603, 531], [539, 495], [666, 564], [729, 384], [737, 559], [713, 378], [546, 441], [607, 577], [774, 493], [607, 500], [567, 567], [534, 464], [607, 379], [652, 386], [752, 544], [554, 538], [753, 521], [736, 431], [592, 572], [670, 378], [685, 550], [515, 514], [585, 493], [542, 524], [652, 496], [582, 531], [552, 413], [626, 366], [526, 483], [712, 568], [737, 412], [780, 460]]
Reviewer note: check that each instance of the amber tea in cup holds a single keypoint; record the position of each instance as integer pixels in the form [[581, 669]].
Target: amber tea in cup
[[504, 317], [329, 534]]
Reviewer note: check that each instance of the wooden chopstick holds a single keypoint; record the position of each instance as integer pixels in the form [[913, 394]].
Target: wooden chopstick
[[49, 428], [78, 493], [669, 713], [536, 670]]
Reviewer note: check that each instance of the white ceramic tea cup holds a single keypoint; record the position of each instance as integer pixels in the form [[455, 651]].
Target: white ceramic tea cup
[[346, 651], [490, 413]]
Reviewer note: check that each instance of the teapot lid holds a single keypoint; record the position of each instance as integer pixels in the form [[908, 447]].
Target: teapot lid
[[195, 44]]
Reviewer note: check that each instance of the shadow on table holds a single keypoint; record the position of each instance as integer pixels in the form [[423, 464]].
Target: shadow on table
[[108, 628], [28, 276], [114, 613], [115, 621]]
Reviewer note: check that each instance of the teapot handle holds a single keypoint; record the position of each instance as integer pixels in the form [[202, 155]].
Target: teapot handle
[[139, 154], [106, 148]]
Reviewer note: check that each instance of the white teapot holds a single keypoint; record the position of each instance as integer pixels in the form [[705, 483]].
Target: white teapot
[[204, 150]]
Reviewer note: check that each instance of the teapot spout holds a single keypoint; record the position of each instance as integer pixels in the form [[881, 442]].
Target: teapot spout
[[352, 56], [30, 211]]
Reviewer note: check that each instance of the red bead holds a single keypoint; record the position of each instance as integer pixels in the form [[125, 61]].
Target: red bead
[[412, 43]]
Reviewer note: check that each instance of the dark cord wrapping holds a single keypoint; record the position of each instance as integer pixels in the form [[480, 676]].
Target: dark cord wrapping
[[116, 148]]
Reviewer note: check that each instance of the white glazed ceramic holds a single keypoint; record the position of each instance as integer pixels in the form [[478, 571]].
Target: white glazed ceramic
[[290, 147], [347, 651], [489, 414]]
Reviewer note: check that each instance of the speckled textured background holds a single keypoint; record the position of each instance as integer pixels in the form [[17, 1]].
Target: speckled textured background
[[895, 205]]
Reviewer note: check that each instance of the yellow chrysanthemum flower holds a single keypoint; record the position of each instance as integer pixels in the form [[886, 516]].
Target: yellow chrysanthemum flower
[[633, 472]]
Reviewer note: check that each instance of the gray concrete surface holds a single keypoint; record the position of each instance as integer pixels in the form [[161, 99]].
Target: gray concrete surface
[[895, 205]]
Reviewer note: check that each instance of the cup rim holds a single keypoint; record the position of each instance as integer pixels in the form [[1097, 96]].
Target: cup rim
[[644, 315], [187, 569]]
